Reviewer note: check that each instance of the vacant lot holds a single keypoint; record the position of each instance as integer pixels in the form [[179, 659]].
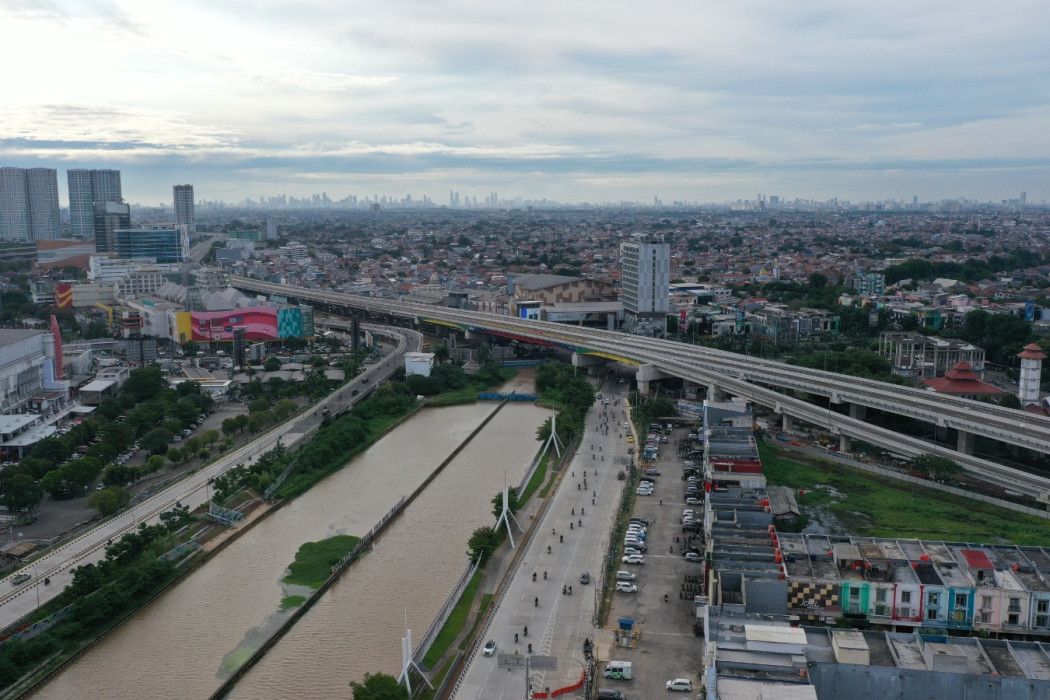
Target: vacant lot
[[868, 505]]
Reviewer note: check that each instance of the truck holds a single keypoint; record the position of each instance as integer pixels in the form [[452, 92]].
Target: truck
[[618, 671]]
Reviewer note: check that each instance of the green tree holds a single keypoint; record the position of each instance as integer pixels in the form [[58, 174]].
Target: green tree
[[22, 493], [482, 543], [154, 464], [378, 686], [109, 500], [54, 482], [156, 441], [512, 502], [441, 354], [935, 467], [272, 364]]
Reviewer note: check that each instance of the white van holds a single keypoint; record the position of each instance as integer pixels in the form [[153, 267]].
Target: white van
[[618, 670]]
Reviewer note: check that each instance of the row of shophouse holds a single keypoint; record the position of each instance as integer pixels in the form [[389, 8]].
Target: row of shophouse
[[809, 615]]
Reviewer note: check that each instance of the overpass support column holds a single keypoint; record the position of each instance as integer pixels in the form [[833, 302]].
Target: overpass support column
[[965, 442], [845, 443], [787, 423], [714, 393], [644, 375], [592, 363], [857, 411], [355, 334]]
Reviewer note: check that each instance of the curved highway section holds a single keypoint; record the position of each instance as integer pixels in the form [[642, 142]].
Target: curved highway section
[[752, 378], [192, 491]]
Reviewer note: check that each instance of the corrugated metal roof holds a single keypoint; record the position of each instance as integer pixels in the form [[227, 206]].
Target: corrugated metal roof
[[774, 634], [752, 689]]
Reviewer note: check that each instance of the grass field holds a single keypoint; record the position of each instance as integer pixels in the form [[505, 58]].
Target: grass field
[[871, 506], [314, 560], [454, 624]]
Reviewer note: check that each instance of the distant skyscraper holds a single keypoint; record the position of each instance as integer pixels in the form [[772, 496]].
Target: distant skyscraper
[[85, 188], [271, 229], [1024, 198], [108, 217], [28, 204], [184, 215]]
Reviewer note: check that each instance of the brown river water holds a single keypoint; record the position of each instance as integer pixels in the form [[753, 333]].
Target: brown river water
[[187, 642]]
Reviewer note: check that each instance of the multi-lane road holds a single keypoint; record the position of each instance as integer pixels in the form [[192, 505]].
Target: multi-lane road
[[572, 538], [762, 381], [57, 564]]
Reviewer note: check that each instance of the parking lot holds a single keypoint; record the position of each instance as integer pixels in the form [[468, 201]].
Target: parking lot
[[666, 646]]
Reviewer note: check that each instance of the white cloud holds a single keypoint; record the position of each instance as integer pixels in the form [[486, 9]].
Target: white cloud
[[756, 81]]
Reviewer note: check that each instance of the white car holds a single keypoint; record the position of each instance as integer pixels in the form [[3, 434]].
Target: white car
[[693, 557], [633, 559], [683, 685], [625, 587], [644, 492], [629, 550], [693, 501]]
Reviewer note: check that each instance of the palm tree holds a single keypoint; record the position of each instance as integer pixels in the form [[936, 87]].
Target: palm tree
[[441, 354]]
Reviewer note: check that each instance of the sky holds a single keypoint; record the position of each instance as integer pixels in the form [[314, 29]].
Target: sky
[[574, 101]]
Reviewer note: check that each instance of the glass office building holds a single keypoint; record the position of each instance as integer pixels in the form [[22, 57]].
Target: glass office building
[[166, 245]]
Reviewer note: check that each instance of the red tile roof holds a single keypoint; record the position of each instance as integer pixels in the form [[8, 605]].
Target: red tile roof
[[961, 379], [1032, 352]]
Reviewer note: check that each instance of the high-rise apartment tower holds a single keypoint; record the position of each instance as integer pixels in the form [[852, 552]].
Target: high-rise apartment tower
[[86, 187], [184, 215], [28, 204]]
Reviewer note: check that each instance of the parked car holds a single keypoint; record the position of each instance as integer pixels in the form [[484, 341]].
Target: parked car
[[693, 557], [490, 648], [610, 694], [633, 559], [19, 579], [693, 501], [626, 587], [625, 576], [683, 685]]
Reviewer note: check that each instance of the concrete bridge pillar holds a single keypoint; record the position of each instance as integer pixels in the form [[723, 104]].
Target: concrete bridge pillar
[[857, 411], [787, 423], [714, 393], [845, 443], [645, 375], [590, 362], [964, 442]]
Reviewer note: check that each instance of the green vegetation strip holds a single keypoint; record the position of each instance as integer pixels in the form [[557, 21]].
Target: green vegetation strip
[[454, 624], [292, 601], [483, 608], [536, 479], [314, 560], [877, 507]]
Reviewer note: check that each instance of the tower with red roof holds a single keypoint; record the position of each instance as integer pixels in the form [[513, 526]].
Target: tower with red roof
[[1031, 368]]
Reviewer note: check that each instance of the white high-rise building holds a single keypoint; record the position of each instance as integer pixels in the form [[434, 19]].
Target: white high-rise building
[[85, 188], [28, 204], [184, 214], [271, 229], [646, 278], [1031, 367]]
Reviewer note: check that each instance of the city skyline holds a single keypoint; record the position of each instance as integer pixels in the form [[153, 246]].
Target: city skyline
[[607, 104]]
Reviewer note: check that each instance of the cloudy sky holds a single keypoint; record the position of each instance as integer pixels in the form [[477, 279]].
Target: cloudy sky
[[590, 100]]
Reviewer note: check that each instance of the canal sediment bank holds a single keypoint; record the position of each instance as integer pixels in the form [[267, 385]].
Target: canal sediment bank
[[339, 569]]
